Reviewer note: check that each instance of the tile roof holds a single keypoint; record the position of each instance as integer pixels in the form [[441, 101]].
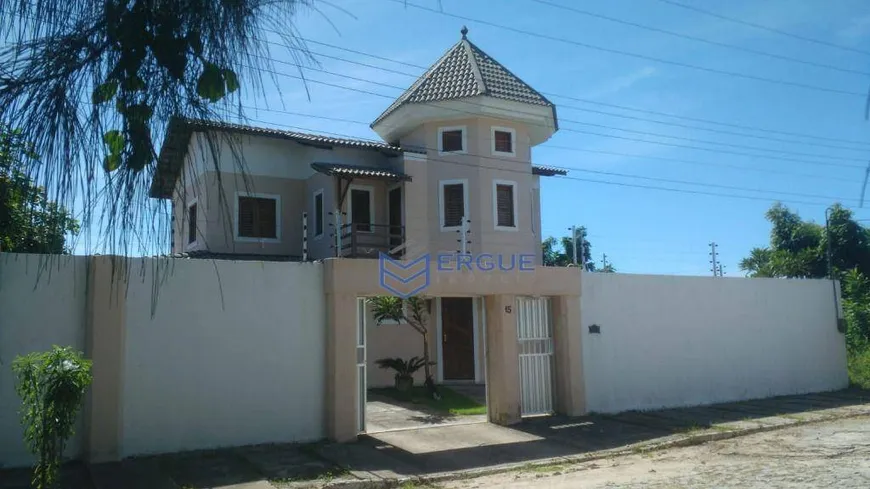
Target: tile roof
[[360, 171], [300, 137], [466, 71], [548, 171], [179, 130]]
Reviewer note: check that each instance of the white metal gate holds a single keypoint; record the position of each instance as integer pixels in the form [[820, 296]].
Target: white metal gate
[[361, 364], [535, 336]]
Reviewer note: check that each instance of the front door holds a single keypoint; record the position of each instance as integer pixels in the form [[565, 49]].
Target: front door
[[457, 338]]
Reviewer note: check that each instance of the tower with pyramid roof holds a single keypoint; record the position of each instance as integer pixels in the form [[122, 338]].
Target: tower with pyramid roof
[[472, 124]]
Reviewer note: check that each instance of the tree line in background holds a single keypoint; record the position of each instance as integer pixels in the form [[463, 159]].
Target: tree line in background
[[29, 221], [840, 250], [560, 253]]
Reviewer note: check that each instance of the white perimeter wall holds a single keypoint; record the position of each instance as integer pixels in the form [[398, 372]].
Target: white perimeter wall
[[671, 341], [233, 354], [42, 303]]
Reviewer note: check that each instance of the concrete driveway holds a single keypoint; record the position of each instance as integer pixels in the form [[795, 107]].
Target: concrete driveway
[[386, 414]]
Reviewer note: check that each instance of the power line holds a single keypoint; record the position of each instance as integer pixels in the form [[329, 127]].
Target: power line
[[583, 109], [691, 191], [601, 152], [613, 114], [700, 39], [697, 148], [708, 121], [566, 106], [589, 101], [764, 27], [746, 76], [699, 128]]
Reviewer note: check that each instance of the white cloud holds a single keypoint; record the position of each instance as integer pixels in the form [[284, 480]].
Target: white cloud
[[622, 82]]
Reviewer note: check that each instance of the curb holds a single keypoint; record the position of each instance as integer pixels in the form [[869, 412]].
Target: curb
[[681, 441]]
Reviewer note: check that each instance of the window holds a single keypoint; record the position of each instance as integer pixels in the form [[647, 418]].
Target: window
[[454, 203], [318, 213], [503, 141], [257, 217], [451, 139], [191, 223], [361, 208], [505, 205]]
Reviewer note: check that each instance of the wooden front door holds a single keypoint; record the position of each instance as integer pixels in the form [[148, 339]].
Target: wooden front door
[[457, 338]]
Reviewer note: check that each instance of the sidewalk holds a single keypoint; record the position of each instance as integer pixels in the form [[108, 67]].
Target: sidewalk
[[449, 452]]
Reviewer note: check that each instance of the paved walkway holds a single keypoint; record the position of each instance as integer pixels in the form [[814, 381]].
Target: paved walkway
[[387, 414], [457, 451]]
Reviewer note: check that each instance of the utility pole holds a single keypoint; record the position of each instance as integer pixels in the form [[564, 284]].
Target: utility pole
[[573, 244], [604, 261], [714, 259], [721, 270]]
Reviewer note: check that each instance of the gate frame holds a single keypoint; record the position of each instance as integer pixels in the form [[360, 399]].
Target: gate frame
[[538, 387]]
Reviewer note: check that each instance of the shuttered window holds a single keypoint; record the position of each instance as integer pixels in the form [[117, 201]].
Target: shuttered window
[[504, 205], [258, 217], [503, 141], [191, 223], [451, 140], [454, 204]]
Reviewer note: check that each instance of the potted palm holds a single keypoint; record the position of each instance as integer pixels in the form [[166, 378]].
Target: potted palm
[[404, 370]]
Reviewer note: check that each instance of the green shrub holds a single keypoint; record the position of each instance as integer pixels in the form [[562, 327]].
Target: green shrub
[[52, 387], [859, 369]]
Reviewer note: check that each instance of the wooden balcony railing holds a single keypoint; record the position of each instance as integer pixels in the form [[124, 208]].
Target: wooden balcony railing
[[367, 240]]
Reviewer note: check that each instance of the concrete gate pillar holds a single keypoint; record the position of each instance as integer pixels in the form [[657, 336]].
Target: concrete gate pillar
[[342, 390], [105, 340], [568, 356], [502, 360]]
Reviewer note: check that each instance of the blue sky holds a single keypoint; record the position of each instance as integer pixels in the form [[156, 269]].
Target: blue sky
[[641, 230]]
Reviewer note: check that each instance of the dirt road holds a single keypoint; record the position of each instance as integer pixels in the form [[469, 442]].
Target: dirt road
[[832, 454]]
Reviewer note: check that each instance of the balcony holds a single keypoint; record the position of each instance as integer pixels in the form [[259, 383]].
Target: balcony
[[368, 240]]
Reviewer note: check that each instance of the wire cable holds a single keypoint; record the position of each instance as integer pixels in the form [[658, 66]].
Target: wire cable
[[764, 27], [620, 52], [700, 39]]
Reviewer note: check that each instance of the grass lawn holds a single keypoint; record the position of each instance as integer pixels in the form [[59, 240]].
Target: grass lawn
[[859, 369], [451, 402]]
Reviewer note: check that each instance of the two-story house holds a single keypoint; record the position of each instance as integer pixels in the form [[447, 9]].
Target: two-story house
[[455, 161]]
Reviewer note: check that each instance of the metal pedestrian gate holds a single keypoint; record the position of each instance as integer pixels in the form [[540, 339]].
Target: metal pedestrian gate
[[535, 336]]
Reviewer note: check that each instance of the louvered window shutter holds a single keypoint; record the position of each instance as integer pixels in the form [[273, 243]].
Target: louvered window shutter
[[503, 142], [266, 217], [247, 208], [505, 205], [258, 218], [454, 204]]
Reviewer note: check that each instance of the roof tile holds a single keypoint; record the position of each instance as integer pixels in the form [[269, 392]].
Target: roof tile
[[466, 71]]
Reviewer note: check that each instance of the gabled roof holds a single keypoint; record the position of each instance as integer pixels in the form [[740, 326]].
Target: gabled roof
[[178, 136], [353, 171], [466, 71]]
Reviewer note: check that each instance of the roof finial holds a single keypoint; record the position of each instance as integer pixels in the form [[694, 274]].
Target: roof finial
[[464, 31]]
